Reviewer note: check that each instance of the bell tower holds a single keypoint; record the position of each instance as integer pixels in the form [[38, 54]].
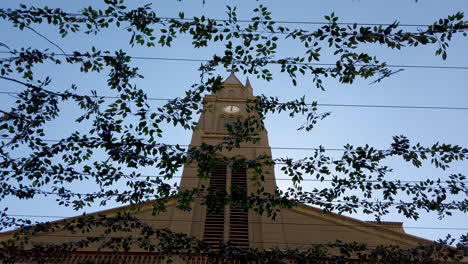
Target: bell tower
[[231, 224]]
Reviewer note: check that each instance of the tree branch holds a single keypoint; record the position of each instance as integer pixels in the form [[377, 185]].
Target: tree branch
[[40, 88], [33, 30], [13, 115]]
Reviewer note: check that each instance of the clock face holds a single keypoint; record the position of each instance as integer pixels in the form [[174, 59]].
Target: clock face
[[231, 109]]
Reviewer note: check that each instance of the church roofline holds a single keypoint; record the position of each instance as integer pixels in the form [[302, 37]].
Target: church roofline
[[362, 226], [126, 208], [232, 79]]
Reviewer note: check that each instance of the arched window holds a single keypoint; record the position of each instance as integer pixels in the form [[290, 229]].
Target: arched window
[[239, 216], [214, 221]]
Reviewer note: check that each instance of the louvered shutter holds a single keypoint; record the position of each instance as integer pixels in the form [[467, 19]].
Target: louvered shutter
[[239, 217], [214, 221]]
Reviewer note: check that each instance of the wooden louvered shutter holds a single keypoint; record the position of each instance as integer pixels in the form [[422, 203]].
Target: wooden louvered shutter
[[239, 216], [214, 221]]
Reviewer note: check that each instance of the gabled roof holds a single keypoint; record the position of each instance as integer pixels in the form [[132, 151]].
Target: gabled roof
[[382, 229], [377, 229]]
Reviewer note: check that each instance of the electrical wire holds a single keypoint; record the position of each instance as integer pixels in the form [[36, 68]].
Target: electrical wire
[[318, 104], [260, 147], [303, 22], [318, 23], [361, 203], [311, 63], [273, 62], [258, 222], [246, 147], [276, 179]]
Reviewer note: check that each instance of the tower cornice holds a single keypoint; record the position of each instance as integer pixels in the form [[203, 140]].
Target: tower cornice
[[215, 98]]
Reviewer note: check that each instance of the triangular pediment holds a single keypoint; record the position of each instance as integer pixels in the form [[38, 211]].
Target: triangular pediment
[[307, 224], [300, 225]]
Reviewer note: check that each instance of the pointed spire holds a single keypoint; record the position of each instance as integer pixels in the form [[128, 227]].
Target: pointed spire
[[247, 83], [232, 79], [249, 86]]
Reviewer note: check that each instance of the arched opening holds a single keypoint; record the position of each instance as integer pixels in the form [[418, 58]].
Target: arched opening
[[239, 215], [214, 220]]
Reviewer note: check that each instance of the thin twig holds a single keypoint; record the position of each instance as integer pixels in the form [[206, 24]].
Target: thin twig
[[42, 89], [4, 45], [30, 85], [13, 115], [33, 30]]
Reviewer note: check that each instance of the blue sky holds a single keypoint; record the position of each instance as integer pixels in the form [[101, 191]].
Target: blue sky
[[357, 126]]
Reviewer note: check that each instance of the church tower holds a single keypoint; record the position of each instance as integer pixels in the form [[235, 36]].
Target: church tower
[[297, 227], [233, 224]]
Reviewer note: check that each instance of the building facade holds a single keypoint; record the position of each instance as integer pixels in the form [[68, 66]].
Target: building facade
[[298, 227]]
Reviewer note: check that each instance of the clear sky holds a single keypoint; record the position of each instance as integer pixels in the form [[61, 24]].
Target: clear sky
[[357, 126]]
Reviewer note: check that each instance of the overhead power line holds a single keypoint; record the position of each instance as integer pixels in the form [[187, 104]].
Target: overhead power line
[[395, 106], [360, 203], [185, 145], [275, 62], [104, 194], [260, 147], [317, 23], [276, 179], [318, 104], [312, 63], [247, 147], [257, 222], [279, 21], [290, 179]]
